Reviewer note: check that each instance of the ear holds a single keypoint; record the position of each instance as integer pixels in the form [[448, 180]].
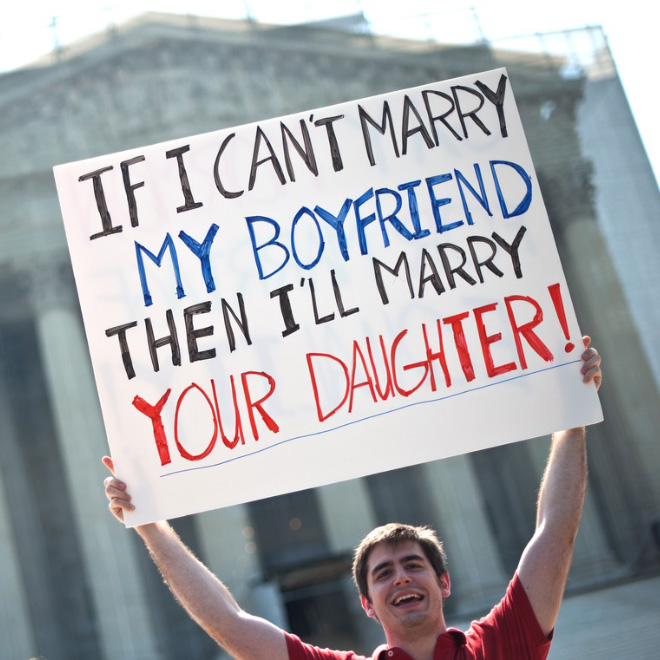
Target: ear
[[367, 607], [445, 585]]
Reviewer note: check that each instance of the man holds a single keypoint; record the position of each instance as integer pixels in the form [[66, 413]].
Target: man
[[401, 574]]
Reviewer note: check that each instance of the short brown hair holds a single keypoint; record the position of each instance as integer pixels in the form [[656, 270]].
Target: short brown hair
[[393, 534]]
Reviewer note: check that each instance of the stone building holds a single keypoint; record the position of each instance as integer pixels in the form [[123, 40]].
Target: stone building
[[75, 585]]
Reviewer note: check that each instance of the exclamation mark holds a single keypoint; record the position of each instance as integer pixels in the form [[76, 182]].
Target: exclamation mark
[[558, 302]]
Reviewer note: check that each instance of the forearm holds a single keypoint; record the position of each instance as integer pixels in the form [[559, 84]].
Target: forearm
[[201, 594], [564, 484], [208, 602]]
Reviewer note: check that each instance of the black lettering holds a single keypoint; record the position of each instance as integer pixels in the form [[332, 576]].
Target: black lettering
[[513, 249], [406, 131], [381, 128], [241, 322], [338, 298], [216, 171], [488, 261], [472, 114], [441, 118], [379, 266], [497, 98], [171, 339], [335, 153], [190, 202], [450, 270], [120, 331], [260, 135], [130, 188], [193, 334], [306, 153], [433, 278], [290, 324], [101, 204]]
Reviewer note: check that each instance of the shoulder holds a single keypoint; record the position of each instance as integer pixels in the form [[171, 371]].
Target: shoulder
[[509, 629], [299, 650]]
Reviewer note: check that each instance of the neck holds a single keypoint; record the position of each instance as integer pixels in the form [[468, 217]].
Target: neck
[[418, 644]]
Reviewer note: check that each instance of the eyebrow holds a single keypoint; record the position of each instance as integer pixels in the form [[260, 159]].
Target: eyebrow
[[390, 562]]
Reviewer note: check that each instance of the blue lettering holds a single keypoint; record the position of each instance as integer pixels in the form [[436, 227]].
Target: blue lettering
[[251, 220], [168, 244], [413, 207], [436, 203], [337, 223], [202, 253], [482, 199], [363, 222], [526, 200], [392, 217], [321, 243]]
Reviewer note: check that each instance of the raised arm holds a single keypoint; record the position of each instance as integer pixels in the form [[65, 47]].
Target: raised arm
[[545, 563], [208, 602]]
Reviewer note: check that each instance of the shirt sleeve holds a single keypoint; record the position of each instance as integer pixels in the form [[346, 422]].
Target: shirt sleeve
[[299, 650], [510, 631]]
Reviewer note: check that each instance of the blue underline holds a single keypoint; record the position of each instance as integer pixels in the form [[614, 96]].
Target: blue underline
[[364, 419]]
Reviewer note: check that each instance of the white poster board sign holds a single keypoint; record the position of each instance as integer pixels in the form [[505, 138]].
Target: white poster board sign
[[322, 296]]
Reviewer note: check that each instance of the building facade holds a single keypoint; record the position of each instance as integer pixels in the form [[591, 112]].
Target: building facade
[[75, 584]]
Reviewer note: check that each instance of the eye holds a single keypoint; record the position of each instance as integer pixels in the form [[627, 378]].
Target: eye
[[383, 574]]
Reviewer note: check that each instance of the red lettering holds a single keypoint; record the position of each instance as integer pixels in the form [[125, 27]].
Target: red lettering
[[439, 356], [238, 425], [367, 382], [182, 450], [408, 367], [154, 414], [486, 340], [526, 330], [456, 323], [271, 424], [389, 389], [322, 417]]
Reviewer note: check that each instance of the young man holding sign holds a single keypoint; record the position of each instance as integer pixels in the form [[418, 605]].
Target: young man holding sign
[[402, 578]]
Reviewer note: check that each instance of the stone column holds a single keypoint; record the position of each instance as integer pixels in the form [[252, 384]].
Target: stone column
[[348, 515], [623, 450], [477, 575], [229, 550], [593, 561], [111, 565], [15, 625]]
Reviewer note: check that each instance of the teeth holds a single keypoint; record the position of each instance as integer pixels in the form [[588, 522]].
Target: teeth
[[402, 599]]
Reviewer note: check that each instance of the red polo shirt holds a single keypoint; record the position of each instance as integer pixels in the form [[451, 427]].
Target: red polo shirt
[[509, 631]]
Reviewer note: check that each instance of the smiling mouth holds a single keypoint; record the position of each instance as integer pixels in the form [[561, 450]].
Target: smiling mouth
[[407, 598]]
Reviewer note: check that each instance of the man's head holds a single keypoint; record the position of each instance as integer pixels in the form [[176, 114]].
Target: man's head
[[395, 534]]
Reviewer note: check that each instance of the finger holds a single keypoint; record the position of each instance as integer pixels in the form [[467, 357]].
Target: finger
[[117, 509], [118, 513], [114, 483], [115, 493], [591, 374], [590, 359], [109, 463], [586, 340], [117, 504]]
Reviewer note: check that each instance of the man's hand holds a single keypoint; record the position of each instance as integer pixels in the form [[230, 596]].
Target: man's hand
[[115, 491], [591, 364]]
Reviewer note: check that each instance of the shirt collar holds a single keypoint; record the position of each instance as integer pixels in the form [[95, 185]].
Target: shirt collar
[[453, 637]]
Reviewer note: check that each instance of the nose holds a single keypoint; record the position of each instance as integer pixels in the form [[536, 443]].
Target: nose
[[401, 576]]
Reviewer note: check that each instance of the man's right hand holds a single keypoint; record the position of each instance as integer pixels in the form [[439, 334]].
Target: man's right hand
[[116, 492]]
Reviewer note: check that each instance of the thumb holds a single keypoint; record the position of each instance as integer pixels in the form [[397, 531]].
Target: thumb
[[108, 462]]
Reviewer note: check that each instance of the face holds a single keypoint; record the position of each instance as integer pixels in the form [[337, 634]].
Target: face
[[404, 591]]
